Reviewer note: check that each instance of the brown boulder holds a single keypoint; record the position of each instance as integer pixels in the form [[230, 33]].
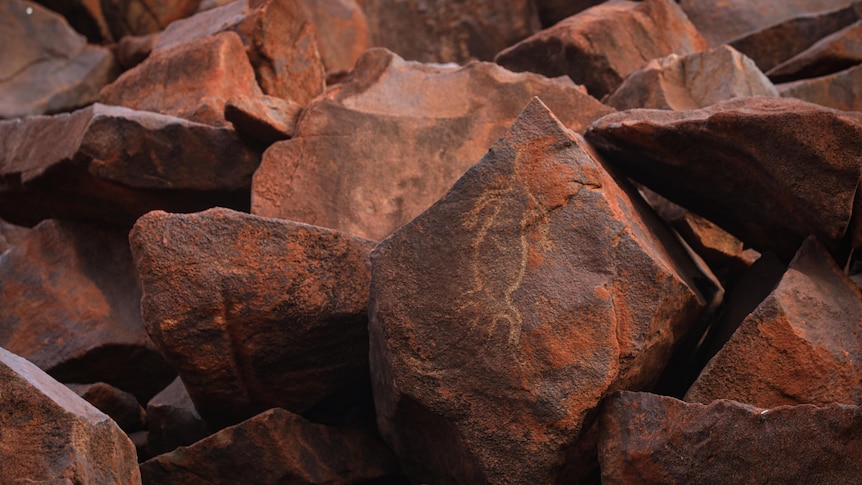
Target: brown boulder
[[376, 151], [341, 30], [842, 90], [264, 119], [254, 313], [602, 45], [47, 67], [50, 435], [173, 420], [650, 439], [71, 305], [800, 346], [833, 53], [503, 314], [121, 406], [690, 82], [770, 171], [279, 37], [192, 81], [113, 164], [275, 447]]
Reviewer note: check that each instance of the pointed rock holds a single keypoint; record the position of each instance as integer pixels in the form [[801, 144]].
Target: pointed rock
[[121, 406], [503, 314], [173, 420], [266, 119], [833, 53], [842, 90], [770, 171]]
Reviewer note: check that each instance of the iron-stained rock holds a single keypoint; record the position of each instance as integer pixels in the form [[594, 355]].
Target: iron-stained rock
[[835, 52], [121, 406], [842, 90]]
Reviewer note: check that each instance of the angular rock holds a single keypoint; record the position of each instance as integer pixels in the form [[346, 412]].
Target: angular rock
[[275, 447], [71, 305], [113, 164], [121, 406], [193, 80], [833, 53], [341, 30], [552, 11], [773, 45], [800, 346], [376, 151], [11, 235], [46, 66], [722, 21], [106, 21], [265, 119], [132, 50], [266, 313], [650, 439], [602, 45], [770, 171], [842, 90], [50, 435], [443, 31], [173, 420], [279, 37], [502, 315], [690, 82]]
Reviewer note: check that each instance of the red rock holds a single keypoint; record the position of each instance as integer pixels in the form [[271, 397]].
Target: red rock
[[741, 164], [649, 439], [192, 81], [85, 16], [833, 53], [552, 11], [110, 20], [254, 313], [503, 314], [113, 164], [275, 447], [71, 305], [413, 130], [121, 406], [341, 30], [50, 435], [602, 45], [800, 346], [173, 420], [132, 50], [279, 37], [842, 90], [690, 82], [47, 67], [264, 119], [443, 31]]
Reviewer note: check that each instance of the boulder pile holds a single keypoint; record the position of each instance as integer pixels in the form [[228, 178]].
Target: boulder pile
[[391, 242]]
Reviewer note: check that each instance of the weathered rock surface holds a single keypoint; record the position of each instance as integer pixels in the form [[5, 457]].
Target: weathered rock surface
[[119, 405], [741, 164], [50, 435], [602, 45], [113, 164], [833, 53], [11, 235], [110, 20], [842, 90], [193, 80], [341, 30], [800, 346], [275, 447], [376, 151], [503, 314], [132, 50], [690, 82], [46, 66], [71, 306], [254, 313], [265, 119], [173, 420], [651, 439], [443, 31], [279, 36]]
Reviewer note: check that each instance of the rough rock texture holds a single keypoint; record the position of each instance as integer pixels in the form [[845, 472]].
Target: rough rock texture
[[110, 20], [650, 439], [740, 162], [503, 314], [113, 164], [193, 80], [47, 67], [173, 420], [842, 90], [800, 346], [71, 306], [376, 151], [121, 406], [265, 119], [50, 435], [833, 53], [721, 21], [341, 30], [775, 44], [280, 41], [132, 50], [445, 31], [690, 82], [254, 313], [602, 45], [275, 447]]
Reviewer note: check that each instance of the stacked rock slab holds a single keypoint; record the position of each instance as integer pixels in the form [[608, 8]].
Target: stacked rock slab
[[50, 435], [835, 52], [502, 315], [842, 90], [376, 151]]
